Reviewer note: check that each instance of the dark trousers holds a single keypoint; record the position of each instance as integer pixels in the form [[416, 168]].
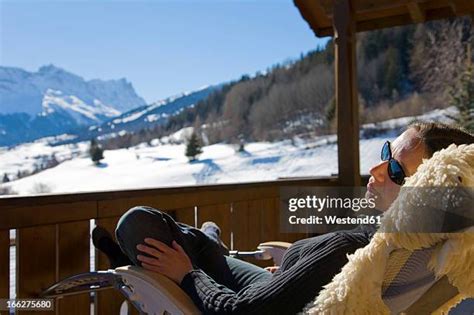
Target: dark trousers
[[204, 250]]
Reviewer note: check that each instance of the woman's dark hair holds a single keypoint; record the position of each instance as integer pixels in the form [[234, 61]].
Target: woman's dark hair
[[437, 136]]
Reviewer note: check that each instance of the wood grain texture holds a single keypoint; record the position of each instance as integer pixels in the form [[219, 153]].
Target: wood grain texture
[[270, 221], [377, 14], [36, 262], [240, 227], [347, 106], [53, 213], [61, 208], [73, 258], [185, 215], [262, 225], [184, 199], [4, 264]]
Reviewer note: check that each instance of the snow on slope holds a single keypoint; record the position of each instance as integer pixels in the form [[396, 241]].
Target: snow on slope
[[164, 163], [434, 115], [27, 156], [83, 113]]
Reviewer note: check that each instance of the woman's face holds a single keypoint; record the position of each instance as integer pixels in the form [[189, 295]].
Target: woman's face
[[408, 150]]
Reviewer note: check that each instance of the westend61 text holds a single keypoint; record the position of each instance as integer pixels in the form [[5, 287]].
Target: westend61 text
[[332, 219]]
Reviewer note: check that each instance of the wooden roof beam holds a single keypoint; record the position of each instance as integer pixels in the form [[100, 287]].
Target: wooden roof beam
[[364, 6], [314, 13], [416, 12]]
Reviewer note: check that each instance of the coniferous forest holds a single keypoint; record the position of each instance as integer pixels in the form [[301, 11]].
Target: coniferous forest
[[402, 71]]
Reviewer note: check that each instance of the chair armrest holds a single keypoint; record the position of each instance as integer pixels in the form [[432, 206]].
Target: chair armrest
[[275, 249], [439, 294], [276, 244], [153, 293], [81, 283]]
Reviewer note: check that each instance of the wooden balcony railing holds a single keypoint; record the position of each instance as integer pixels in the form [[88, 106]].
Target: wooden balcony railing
[[53, 231]]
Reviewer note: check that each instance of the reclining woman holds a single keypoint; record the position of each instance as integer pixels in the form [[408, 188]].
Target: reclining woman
[[219, 284]]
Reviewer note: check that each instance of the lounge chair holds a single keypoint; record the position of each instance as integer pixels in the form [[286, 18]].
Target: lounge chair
[[149, 292], [152, 293]]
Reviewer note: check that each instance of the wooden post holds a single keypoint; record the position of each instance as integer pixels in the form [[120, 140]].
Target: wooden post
[[4, 264], [347, 107]]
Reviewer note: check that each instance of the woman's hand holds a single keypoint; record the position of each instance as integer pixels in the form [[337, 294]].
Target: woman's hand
[[172, 262]]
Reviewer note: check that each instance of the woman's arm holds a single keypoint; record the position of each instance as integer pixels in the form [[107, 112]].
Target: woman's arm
[[286, 293]]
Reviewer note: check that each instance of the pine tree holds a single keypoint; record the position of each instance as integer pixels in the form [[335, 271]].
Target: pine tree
[[462, 96], [96, 152], [6, 179], [241, 146], [392, 71], [193, 148]]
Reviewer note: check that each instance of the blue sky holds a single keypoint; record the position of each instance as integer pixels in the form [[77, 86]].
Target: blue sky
[[162, 47]]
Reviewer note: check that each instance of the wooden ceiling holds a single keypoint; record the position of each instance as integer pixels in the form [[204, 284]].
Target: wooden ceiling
[[376, 14]]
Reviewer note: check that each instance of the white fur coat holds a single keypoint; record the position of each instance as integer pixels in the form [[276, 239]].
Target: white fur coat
[[357, 288]]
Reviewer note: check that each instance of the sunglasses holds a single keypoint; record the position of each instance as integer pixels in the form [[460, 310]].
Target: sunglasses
[[395, 170]]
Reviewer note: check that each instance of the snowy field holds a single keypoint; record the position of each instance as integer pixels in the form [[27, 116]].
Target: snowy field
[[164, 164]]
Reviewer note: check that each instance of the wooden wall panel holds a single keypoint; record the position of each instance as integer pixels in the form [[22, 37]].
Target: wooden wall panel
[[270, 220], [254, 222], [4, 264], [239, 226], [36, 261], [187, 198], [247, 228], [185, 215], [73, 258], [49, 214]]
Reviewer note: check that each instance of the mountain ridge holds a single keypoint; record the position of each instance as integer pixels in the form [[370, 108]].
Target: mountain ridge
[[66, 109], [16, 83], [148, 116], [52, 101]]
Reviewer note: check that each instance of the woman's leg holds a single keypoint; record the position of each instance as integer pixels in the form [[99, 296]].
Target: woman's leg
[[205, 253], [244, 273]]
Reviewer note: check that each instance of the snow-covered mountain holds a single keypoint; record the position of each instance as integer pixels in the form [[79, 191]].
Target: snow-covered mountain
[[52, 101], [148, 116], [23, 92], [84, 114]]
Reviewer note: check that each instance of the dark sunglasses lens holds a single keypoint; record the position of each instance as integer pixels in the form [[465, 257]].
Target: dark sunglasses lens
[[395, 172], [385, 155]]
